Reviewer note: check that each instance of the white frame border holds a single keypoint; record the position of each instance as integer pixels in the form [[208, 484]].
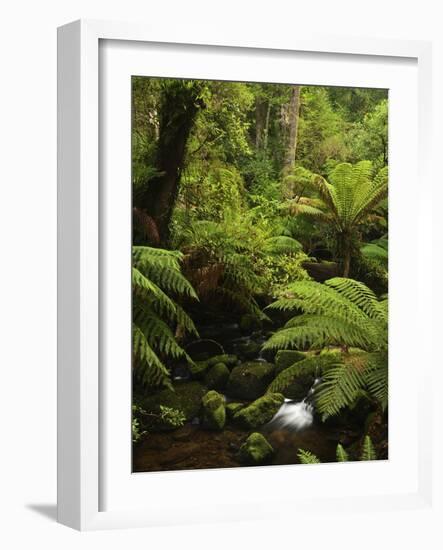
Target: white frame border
[[78, 255]]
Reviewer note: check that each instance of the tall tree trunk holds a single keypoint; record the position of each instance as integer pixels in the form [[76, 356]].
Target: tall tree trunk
[[260, 121], [266, 128], [179, 108], [347, 263], [292, 121]]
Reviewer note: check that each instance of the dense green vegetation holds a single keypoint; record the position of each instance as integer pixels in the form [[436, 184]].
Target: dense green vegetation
[[260, 270]]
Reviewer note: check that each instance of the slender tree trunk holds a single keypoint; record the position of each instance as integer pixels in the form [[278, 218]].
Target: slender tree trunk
[[347, 263], [260, 121], [293, 114], [178, 111], [266, 128]]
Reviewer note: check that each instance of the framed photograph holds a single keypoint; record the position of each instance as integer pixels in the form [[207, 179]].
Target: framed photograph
[[232, 320]]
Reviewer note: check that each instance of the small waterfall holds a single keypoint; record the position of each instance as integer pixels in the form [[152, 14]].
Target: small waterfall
[[295, 415]]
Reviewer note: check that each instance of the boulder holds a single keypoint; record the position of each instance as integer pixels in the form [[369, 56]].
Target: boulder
[[214, 412], [233, 407], [255, 450], [185, 397], [250, 380], [203, 349], [248, 349], [198, 369], [303, 381], [217, 377], [228, 359], [260, 411], [287, 357]]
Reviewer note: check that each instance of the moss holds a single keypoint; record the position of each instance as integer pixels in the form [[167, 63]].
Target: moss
[[199, 369], [232, 408], [260, 411], [304, 378], [214, 412], [249, 349], [185, 397], [255, 450], [217, 377], [226, 359], [285, 358], [250, 380]]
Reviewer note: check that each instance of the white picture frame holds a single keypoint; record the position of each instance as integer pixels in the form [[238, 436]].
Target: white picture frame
[[83, 444]]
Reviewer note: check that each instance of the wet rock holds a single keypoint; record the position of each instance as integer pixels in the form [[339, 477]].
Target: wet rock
[[233, 407], [255, 450], [260, 411], [217, 377], [250, 380], [214, 412], [199, 369], [185, 397], [285, 358], [203, 349], [227, 359], [248, 349]]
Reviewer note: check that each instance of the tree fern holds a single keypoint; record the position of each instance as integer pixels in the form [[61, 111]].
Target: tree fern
[[344, 202], [156, 281], [342, 313]]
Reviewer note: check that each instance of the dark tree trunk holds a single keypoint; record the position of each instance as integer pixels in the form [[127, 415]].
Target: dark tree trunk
[[179, 108]]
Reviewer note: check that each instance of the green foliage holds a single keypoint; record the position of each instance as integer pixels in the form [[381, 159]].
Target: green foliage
[[172, 417], [344, 313], [156, 280], [368, 451], [342, 455], [306, 457], [343, 203]]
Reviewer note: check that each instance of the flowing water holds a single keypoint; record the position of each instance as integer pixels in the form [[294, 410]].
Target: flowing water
[[294, 427]]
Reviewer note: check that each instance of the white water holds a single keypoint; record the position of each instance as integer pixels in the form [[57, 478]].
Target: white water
[[294, 415]]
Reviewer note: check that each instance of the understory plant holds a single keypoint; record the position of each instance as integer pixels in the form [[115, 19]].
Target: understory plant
[[367, 453], [344, 315], [159, 321]]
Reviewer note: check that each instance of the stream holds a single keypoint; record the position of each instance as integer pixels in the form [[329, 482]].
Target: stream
[[294, 426]]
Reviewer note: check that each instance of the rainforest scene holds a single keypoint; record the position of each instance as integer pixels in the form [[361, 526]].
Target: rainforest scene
[[259, 274]]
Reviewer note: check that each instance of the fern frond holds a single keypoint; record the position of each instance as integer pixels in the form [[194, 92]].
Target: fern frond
[[368, 451], [306, 457], [341, 454], [339, 388], [311, 365]]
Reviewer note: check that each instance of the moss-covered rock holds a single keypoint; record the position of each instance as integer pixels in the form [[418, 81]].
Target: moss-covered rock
[[233, 407], [255, 450], [185, 397], [214, 412], [250, 380], [250, 322], [248, 349], [198, 369], [227, 359], [260, 411], [302, 381], [284, 358], [217, 377]]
